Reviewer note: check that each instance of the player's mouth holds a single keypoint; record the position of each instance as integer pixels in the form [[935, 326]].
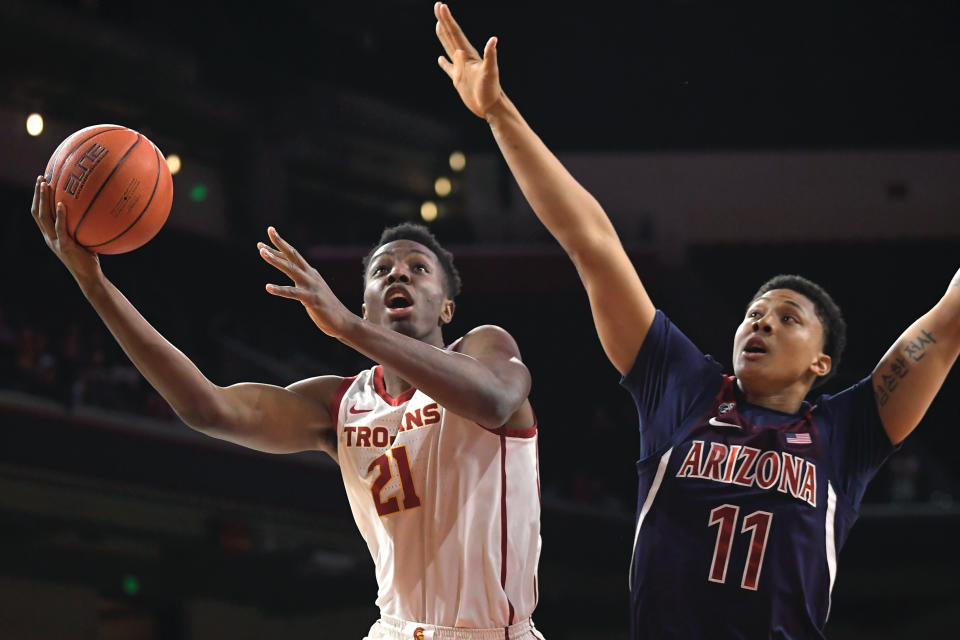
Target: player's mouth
[[398, 301], [755, 349]]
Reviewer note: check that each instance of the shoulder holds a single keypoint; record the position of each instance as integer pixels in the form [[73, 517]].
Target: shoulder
[[485, 339], [861, 392], [320, 389]]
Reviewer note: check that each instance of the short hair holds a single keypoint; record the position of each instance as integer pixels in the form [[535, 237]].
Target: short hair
[[419, 233], [834, 326]]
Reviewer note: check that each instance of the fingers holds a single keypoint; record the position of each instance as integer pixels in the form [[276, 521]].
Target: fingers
[[288, 249], [490, 55], [278, 260], [446, 65], [283, 292], [457, 38], [60, 223], [445, 39], [44, 215], [35, 205]]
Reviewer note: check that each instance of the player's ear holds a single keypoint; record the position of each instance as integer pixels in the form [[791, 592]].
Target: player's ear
[[821, 365], [446, 311]]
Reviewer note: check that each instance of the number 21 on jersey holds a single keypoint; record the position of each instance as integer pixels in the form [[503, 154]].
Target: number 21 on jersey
[[402, 462]]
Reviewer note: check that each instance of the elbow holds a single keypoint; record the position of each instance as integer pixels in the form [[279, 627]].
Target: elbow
[[586, 247], [199, 420], [208, 415], [499, 410]]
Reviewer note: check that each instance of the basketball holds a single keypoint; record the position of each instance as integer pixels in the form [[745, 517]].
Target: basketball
[[116, 187]]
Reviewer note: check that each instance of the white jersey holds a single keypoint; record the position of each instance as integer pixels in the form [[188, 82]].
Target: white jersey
[[450, 510]]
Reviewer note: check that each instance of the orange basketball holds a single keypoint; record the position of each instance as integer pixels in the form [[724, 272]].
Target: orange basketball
[[116, 187]]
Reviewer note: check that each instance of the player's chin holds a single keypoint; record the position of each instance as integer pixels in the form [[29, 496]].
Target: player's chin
[[750, 371], [404, 325]]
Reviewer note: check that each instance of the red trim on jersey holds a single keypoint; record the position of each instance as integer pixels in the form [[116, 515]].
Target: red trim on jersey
[[338, 398], [536, 596], [536, 468], [516, 433], [381, 389], [520, 433], [503, 526], [791, 424]]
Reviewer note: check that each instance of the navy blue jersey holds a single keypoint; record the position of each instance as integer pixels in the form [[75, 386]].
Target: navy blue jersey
[[741, 510]]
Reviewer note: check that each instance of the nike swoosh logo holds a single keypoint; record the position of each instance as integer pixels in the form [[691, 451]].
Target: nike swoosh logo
[[355, 411], [717, 423]]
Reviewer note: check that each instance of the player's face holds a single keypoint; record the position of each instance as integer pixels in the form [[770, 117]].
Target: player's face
[[779, 344], [405, 291]]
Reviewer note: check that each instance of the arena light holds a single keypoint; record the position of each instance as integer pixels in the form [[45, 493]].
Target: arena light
[[428, 211], [35, 124], [458, 161], [173, 163], [198, 192], [442, 186], [130, 585]]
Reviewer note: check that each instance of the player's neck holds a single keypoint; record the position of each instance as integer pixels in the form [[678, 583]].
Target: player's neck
[[787, 400], [393, 383]]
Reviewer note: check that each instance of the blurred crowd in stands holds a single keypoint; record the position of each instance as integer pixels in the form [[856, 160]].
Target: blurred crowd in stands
[[73, 365], [81, 366]]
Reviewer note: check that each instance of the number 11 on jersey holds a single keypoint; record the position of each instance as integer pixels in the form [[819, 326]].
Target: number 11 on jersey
[[410, 498], [758, 524]]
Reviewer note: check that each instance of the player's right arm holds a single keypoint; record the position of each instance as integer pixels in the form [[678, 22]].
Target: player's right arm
[[622, 310], [258, 416]]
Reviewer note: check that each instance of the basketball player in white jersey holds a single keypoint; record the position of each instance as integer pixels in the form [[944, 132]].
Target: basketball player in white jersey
[[437, 445]]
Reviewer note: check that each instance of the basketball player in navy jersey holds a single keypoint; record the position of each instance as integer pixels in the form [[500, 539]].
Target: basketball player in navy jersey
[[436, 445], [746, 491]]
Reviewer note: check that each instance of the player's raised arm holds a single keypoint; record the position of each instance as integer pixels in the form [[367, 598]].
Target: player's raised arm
[[622, 310], [482, 380], [914, 368], [259, 416]]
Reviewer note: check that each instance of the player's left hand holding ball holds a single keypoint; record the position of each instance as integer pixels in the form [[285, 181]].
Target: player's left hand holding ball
[[83, 265], [324, 308]]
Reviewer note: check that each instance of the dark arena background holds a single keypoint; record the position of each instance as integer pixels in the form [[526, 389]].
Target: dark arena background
[[728, 142]]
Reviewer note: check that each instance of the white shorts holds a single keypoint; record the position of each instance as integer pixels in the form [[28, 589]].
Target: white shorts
[[387, 628]]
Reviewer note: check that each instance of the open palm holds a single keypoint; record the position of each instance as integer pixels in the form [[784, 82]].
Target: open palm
[[476, 79]]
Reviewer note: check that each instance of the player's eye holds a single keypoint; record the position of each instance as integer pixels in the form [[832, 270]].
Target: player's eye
[[380, 268], [421, 267], [753, 314], [789, 319]]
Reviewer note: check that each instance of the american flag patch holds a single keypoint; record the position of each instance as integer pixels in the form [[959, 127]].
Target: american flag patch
[[798, 438]]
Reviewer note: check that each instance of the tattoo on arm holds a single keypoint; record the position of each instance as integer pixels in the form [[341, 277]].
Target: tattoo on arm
[[890, 378], [899, 367], [916, 349]]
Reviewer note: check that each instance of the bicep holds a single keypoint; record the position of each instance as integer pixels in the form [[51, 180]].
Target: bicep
[[277, 419], [912, 371], [622, 309]]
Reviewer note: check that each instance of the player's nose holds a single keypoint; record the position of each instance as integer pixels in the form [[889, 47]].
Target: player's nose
[[762, 325], [398, 273]]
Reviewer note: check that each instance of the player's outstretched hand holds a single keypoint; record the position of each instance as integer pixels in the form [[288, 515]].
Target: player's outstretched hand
[[83, 264], [476, 79], [324, 308]]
